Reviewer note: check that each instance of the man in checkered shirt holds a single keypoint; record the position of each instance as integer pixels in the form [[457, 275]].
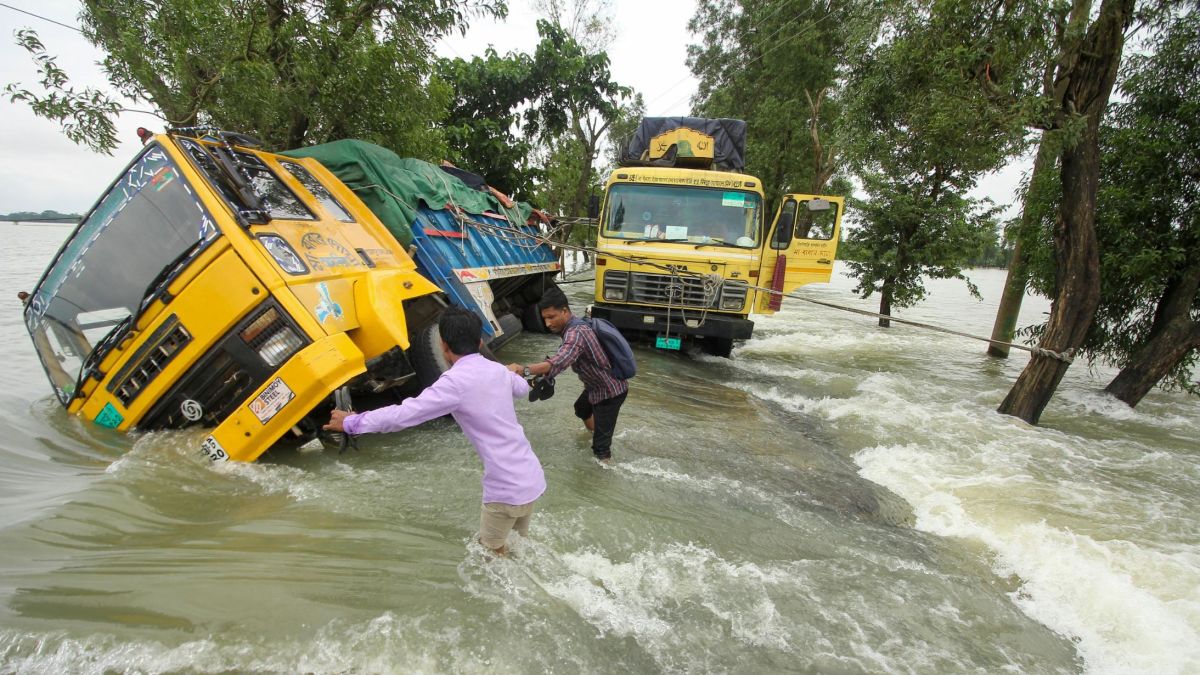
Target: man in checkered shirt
[[603, 394]]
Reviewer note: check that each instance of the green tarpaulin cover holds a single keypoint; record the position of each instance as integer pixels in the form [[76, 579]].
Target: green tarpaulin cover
[[394, 187]]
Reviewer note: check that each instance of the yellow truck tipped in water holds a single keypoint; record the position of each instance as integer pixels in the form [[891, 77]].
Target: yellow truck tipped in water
[[219, 285], [684, 247]]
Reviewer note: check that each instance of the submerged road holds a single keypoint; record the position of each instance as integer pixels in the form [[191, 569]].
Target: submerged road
[[835, 498]]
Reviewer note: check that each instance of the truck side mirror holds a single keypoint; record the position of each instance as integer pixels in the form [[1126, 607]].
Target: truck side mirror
[[593, 207]]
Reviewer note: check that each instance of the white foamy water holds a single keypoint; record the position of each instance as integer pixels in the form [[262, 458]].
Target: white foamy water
[[1096, 525], [836, 498]]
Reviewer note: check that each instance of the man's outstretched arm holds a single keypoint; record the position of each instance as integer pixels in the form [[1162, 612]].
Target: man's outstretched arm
[[438, 399]]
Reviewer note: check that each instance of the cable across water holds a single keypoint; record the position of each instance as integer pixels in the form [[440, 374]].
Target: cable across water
[[1066, 356]]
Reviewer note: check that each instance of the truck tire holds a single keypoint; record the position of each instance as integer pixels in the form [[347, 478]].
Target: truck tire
[[427, 358], [717, 346], [426, 355], [512, 327], [531, 319]]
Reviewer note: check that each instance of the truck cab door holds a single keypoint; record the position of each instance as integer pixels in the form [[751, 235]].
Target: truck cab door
[[805, 234]]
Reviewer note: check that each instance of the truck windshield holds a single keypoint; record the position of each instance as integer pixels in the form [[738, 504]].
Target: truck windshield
[[692, 214], [136, 239]]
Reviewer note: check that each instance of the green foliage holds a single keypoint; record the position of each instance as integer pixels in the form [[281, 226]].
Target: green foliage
[[292, 72], [507, 109], [483, 125], [578, 103], [86, 116], [1148, 206], [905, 232], [995, 253], [939, 98], [563, 171], [623, 128], [572, 83], [767, 63]]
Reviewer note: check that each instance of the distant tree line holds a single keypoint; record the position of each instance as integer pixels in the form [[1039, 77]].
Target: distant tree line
[[43, 217]]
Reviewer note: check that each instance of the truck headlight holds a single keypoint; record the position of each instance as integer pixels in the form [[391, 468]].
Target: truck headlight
[[732, 302], [281, 345], [272, 338], [615, 284]]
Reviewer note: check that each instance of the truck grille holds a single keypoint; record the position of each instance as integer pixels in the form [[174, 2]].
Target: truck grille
[[145, 365], [673, 290], [218, 383]]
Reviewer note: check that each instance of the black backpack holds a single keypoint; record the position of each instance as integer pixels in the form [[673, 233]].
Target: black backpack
[[620, 356]]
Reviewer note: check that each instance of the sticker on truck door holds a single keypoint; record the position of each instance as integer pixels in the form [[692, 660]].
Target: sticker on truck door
[[272, 399]]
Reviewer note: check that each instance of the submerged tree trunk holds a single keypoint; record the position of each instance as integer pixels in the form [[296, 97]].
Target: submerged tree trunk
[[1085, 81], [1010, 305], [1172, 336], [1018, 276], [885, 302]]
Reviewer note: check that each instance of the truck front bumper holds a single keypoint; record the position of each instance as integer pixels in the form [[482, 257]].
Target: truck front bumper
[[293, 390], [652, 321]]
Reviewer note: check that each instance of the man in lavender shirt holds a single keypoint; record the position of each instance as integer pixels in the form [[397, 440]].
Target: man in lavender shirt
[[479, 394]]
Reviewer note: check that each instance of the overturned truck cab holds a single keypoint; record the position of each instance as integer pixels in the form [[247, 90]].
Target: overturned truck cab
[[218, 285]]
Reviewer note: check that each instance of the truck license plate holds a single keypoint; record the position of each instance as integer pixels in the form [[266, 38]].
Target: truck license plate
[[213, 450], [667, 343]]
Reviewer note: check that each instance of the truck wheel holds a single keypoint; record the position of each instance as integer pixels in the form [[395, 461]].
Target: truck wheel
[[718, 346], [531, 319], [511, 326], [426, 355]]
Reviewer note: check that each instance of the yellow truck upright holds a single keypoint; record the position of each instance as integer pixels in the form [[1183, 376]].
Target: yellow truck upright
[[684, 249]]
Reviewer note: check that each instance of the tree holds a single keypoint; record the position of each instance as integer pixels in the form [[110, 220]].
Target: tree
[[579, 100], [557, 103], [1148, 322], [910, 229], [1017, 280], [483, 128], [1068, 23], [774, 65], [929, 107], [1087, 69], [292, 72], [1148, 220]]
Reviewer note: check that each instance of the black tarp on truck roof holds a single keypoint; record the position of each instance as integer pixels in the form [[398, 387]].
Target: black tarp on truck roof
[[698, 143]]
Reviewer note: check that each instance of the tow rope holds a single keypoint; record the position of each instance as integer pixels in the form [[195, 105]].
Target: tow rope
[[1066, 356]]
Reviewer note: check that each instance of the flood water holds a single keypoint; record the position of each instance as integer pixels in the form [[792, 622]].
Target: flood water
[[836, 498]]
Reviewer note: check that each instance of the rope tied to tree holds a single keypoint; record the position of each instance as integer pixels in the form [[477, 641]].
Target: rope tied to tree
[[709, 284], [1066, 356]]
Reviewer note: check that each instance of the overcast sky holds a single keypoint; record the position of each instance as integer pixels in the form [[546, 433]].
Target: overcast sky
[[40, 169]]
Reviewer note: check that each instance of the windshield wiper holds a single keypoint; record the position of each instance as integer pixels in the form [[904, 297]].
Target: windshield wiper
[[658, 241], [159, 282], [228, 171], [103, 347], [721, 242]]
